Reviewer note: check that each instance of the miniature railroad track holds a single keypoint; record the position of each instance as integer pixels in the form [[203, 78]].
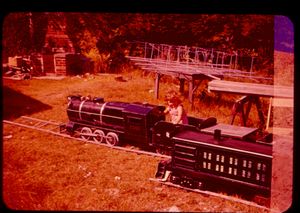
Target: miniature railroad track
[[55, 128], [210, 193]]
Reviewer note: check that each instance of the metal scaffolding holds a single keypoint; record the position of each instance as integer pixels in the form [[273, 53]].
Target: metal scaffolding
[[188, 63]]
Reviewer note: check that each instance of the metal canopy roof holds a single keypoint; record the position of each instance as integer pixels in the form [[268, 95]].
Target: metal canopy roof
[[181, 61]]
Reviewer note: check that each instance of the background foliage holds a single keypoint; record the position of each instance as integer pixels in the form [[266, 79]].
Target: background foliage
[[106, 37]]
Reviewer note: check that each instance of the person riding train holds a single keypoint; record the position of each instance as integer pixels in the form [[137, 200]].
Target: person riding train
[[175, 108]]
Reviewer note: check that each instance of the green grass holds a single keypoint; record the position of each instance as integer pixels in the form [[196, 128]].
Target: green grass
[[46, 172]]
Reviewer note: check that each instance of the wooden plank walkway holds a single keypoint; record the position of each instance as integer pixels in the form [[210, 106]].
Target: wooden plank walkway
[[253, 89], [279, 96]]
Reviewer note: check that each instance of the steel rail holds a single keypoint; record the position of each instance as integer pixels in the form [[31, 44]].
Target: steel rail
[[57, 133], [227, 197]]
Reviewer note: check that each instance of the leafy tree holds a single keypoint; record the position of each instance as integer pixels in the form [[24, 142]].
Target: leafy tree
[[106, 37], [16, 35]]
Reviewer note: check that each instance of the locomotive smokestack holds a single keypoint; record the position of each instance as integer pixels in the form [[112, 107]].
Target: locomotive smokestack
[[217, 134]]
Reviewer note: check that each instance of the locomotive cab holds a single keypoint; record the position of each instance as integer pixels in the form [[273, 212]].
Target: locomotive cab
[[163, 131]]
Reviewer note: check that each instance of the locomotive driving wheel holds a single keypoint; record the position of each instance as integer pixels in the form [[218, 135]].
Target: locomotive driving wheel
[[99, 136], [112, 139], [85, 133]]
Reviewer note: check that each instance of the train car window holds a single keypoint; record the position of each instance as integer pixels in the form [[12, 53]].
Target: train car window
[[243, 173], [235, 161], [258, 166], [209, 156], [249, 164], [263, 177], [264, 167], [235, 171], [248, 174], [208, 165], [244, 163], [167, 134], [231, 160], [257, 176]]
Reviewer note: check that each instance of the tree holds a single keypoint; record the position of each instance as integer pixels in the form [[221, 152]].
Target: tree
[[106, 37]]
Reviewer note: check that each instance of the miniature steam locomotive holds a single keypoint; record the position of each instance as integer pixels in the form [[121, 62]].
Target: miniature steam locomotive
[[204, 154], [112, 121]]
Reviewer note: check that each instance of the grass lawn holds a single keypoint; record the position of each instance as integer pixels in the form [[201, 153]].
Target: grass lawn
[[47, 172]]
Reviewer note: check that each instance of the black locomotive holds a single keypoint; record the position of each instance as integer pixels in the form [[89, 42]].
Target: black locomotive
[[112, 122], [204, 154], [213, 161]]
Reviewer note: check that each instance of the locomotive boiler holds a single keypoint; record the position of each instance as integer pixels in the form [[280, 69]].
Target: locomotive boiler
[[112, 122]]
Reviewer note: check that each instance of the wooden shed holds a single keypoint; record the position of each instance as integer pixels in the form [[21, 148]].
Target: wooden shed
[[61, 64]]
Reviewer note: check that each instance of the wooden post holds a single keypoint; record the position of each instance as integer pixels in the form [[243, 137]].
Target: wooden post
[[238, 108], [181, 86], [152, 49], [248, 108], [269, 114], [156, 89], [222, 59], [252, 58], [54, 62], [236, 61], [259, 110], [145, 51], [191, 95]]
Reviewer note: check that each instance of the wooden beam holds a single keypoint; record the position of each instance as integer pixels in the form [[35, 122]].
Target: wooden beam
[[156, 89], [269, 114], [191, 95], [254, 89], [259, 110], [181, 86]]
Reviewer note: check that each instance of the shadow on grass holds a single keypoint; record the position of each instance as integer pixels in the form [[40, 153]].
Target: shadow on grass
[[16, 104]]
